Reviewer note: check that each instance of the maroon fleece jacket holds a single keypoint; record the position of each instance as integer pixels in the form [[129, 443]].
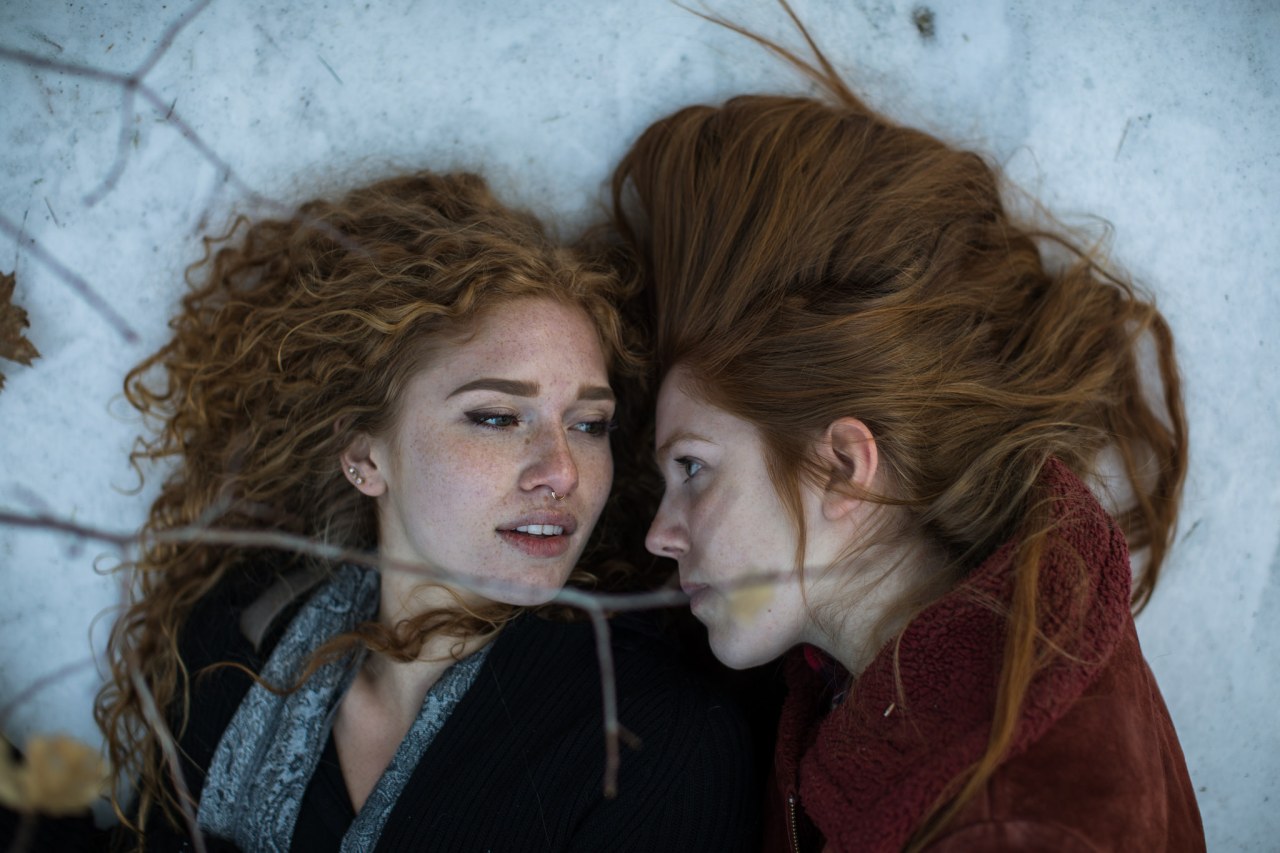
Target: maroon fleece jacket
[[1094, 765]]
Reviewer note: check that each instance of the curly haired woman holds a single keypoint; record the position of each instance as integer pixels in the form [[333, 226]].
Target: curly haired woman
[[415, 372]]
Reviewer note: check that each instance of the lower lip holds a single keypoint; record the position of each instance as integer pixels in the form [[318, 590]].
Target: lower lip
[[536, 546]]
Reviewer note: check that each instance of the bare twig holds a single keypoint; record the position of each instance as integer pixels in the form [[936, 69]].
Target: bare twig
[[41, 683], [166, 40], [604, 602], [596, 605], [127, 125], [202, 148], [35, 60], [78, 284], [170, 750], [604, 657], [130, 83]]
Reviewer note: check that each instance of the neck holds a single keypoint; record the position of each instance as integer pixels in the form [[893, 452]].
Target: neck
[[405, 683], [869, 601]]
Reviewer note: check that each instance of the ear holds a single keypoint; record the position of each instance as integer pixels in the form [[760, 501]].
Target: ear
[[360, 466], [849, 449]]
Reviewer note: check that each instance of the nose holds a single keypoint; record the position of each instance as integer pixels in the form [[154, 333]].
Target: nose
[[668, 536], [552, 464]]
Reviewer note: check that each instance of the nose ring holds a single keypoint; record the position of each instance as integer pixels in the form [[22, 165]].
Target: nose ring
[[559, 497]]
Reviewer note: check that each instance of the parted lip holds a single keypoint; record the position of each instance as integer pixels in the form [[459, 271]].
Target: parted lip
[[547, 516]]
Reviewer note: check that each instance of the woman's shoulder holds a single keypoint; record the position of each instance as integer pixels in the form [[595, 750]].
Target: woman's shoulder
[[1109, 775], [218, 656]]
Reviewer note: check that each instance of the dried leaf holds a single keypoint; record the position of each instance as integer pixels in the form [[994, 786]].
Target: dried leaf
[[61, 776], [13, 320]]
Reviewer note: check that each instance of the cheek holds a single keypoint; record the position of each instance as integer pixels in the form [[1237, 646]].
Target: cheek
[[726, 522], [595, 472], [450, 471]]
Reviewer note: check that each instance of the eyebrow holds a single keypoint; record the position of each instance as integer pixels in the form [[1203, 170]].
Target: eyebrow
[[679, 436], [518, 388]]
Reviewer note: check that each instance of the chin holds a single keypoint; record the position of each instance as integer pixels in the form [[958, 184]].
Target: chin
[[526, 591], [734, 648], [530, 597]]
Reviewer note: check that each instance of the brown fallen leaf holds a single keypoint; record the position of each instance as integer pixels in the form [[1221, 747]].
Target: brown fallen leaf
[[13, 320], [61, 776]]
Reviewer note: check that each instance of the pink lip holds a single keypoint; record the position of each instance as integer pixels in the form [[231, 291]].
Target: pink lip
[[543, 547], [547, 516], [697, 593]]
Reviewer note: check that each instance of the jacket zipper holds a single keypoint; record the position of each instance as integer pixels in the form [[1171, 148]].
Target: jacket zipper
[[795, 835]]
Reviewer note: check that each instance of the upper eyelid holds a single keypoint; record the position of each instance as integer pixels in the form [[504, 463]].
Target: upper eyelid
[[673, 460], [607, 419], [677, 462]]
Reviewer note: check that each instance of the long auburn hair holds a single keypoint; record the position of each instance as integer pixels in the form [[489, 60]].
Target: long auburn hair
[[810, 259], [297, 335]]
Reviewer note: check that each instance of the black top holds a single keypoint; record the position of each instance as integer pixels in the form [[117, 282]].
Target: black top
[[326, 813], [519, 764]]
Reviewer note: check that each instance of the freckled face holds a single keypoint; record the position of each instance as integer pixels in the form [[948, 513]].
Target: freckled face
[[487, 435], [722, 520]]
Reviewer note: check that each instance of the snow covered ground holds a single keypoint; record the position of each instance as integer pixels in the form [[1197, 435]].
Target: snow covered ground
[[1161, 118]]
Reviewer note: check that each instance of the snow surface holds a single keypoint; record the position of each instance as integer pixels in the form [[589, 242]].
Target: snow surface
[[1161, 118]]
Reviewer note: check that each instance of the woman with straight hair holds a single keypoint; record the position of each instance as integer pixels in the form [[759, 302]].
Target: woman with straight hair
[[884, 400], [415, 373]]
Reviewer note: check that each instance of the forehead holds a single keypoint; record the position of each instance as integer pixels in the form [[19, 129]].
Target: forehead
[[680, 411], [537, 339]]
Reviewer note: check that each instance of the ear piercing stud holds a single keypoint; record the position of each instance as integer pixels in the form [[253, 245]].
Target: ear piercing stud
[[355, 475]]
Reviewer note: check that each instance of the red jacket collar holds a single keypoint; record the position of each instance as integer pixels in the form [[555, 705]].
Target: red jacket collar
[[868, 771]]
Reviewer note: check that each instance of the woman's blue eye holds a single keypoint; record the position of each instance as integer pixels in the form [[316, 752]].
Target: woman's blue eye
[[493, 420], [596, 429], [690, 466]]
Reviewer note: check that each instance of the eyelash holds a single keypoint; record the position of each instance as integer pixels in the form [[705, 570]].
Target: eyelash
[[482, 419], [686, 463], [597, 429], [594, 429]]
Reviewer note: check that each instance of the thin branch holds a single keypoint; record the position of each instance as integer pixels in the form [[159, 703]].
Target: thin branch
[[41, 683], [170, 749], [274, 539], [202, 148], [132, 84], [166, 40], [596, 605], [127, 125], [604, 658], [78, 284], [34, 60]]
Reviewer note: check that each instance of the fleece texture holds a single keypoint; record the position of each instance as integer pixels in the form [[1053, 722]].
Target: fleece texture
[[1094, 764]]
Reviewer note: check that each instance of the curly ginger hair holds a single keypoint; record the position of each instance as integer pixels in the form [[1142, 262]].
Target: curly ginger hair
[[296, 336]]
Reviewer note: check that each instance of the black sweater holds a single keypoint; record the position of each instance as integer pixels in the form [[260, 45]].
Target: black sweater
[[519, 764]]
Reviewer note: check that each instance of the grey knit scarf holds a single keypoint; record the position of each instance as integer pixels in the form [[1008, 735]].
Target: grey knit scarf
[[268, 753]]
